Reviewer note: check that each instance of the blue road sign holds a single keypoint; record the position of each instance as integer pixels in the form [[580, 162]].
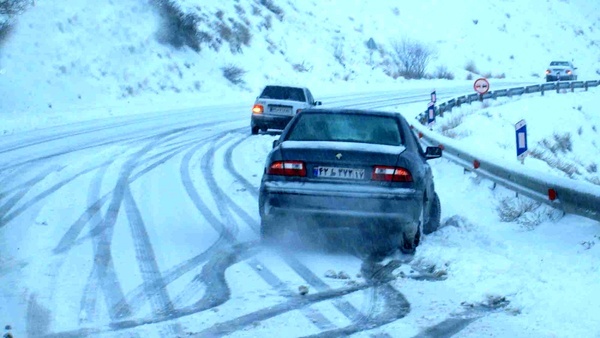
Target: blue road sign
[[521, 136], [431, 113]]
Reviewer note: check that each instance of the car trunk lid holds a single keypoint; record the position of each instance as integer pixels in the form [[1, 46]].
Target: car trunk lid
[[341, 161]]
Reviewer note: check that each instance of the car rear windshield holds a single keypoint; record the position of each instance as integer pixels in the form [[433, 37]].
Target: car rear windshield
[[559, 63], [346, 128], [283, 93]]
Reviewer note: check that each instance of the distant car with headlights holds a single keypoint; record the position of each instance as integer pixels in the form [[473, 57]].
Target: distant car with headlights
[[561, 71], [350, 170], [276, 105]]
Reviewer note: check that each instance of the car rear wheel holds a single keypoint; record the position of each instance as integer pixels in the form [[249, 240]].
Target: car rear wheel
[[434, 216], [409, 241], [255, 130]]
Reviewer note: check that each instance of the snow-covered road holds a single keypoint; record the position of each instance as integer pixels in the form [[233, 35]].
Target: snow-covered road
[[147, 226]]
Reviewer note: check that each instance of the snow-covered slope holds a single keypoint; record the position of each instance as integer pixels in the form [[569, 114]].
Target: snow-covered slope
[[91, 59]]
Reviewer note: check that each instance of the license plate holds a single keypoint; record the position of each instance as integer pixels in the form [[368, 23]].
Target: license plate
[[281, 110], [335, 172]]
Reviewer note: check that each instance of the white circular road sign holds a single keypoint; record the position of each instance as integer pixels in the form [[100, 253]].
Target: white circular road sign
[[481, 86]]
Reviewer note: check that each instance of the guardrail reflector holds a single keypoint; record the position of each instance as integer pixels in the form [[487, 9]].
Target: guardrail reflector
[[441, 146], [476, 164], [420, 135], [552, 194]]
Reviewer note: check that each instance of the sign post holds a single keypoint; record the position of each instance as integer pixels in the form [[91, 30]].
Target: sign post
[[521, 136]]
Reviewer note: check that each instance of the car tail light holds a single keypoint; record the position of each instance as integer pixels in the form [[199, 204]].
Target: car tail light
[[258, 109], [391, 174], [287, 168], [569, 72], [548, 71]]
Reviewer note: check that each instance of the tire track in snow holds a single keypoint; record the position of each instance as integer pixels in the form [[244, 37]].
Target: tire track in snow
[[7, 218], [136, 297], [69, 239], [103, 271], [154, 285], [222, 199]]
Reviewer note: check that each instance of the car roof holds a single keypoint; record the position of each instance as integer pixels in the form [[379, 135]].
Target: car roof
[[285, 86], [350, 111]]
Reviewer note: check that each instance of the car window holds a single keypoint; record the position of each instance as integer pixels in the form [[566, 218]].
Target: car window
[[311, 100], [559, 63], [283, 93], [346, 128]]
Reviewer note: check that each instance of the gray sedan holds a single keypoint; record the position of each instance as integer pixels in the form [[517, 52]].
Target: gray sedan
[[350, 170]]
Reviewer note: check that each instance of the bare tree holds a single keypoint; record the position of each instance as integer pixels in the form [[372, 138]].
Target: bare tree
[[14, 7], [411, 57]]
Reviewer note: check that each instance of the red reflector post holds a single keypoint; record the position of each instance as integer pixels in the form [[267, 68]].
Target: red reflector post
[[552, 195], [420, 135], [441, 146], [476, 164]]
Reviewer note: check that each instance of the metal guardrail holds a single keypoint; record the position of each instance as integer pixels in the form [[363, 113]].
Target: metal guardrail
[[574, 197]]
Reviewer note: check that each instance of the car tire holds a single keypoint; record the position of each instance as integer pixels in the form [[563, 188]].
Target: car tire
[[409, 245], [264, 130], [435, 214], [409, 241], [255, 130]]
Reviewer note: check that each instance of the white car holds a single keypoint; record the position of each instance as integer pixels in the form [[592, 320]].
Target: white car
[[561, 71], [276, 105]]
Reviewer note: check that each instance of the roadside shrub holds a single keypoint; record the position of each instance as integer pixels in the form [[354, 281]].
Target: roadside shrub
[[234, 74], [273, 8], [555, 162], [594, 180], [338, 53], [301, 67], [453, 122], [469, 76], [12, 8], [411, 57], [9, 9], [178, 29], [470, 67], [510, 209], [442, 72]]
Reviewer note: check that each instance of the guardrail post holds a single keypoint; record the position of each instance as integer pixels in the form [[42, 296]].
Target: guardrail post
[[557, 87], [542, 89], [585, 86], [572, 87]]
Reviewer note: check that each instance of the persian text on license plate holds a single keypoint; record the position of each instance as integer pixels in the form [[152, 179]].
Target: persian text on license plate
[[281, 110], [349, 173]]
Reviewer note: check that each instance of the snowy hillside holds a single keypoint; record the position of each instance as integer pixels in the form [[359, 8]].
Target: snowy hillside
[[92, 59]]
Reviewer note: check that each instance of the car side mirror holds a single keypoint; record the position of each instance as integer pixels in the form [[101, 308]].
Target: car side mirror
[[433, 152], [275, 143], [318, 103]]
